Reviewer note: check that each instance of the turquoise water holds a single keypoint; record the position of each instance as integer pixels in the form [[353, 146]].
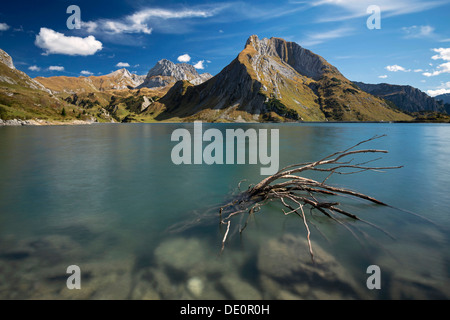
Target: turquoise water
[[107, 198]]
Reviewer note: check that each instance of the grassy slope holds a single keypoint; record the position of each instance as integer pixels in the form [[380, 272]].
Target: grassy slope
[[20, 101]]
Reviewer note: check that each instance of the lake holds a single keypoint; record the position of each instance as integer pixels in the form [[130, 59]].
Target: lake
[[108, 198]]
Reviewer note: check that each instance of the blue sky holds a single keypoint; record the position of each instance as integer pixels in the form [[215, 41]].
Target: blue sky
[[411, 48]]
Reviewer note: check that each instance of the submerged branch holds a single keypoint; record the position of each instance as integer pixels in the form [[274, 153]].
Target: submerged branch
[[295, 192]]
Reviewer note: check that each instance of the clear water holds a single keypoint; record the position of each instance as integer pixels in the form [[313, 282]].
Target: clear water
[[105, 198]]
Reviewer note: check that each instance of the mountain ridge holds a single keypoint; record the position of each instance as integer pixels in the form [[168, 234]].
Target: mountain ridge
[[406, 98]]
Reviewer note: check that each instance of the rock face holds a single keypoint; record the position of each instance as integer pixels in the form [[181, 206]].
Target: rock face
[[166, 73], [271, 80], [406, 98], [126, 80], [6, 59], [300, 59]]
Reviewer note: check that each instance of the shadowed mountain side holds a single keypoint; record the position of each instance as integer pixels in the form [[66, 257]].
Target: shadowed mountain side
[[406, 98]]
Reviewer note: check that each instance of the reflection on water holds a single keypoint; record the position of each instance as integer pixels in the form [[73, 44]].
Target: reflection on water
[[103, 197]]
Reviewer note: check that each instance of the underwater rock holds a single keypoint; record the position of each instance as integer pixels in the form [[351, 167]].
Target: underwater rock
[[187, 257], [239, 289], [195, 286], [287, 262], [50, 249]]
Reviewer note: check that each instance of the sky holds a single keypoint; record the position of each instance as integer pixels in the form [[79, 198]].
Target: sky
[[408, 45]]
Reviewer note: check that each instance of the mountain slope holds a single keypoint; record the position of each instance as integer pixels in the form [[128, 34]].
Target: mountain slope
[[275, 80], [166, 73], [22, 97], [118, 80], [406, 98]]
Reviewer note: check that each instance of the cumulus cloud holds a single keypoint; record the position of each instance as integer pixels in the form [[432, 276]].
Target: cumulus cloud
[[444, 54], [34, 68], [57, 43], [184, 58], [123, 65], [4, 27], [86, 73], [199, 65], [442, 89], [396, 68], [56, 68], [383, 76]]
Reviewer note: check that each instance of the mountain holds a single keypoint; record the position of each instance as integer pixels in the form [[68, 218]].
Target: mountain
[[275, 80], [443, 97], [166, 73], [406, 98], [118, 80]]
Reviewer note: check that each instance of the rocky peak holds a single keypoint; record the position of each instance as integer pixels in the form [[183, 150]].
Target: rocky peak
[[6, 59], [300, 59], [122, 73], [166, 73], [180, 71]]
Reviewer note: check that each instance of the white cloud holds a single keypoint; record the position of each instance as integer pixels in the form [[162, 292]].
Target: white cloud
[[442, 89], [123, 65], [418, 70], [86, 73], [184, 58], [396, 68], [57, 43], [357, 8], [443, 54], [419, 32], [56, 68], [442, 68], [90, 26], [320, 37], [199, 65], [34, 68], [383, 76], [4, 27], [139, 22]]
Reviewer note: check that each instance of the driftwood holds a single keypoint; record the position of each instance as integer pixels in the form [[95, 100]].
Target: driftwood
[[297, 193]]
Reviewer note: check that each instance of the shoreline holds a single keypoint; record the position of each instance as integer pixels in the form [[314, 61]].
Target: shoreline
[[40, 122]]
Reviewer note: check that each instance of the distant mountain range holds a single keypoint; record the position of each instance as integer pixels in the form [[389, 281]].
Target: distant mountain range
[[270, 80], [406, 98], [443, 97]]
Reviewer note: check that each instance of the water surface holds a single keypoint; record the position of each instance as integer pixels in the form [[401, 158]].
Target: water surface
[[103, 197]]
